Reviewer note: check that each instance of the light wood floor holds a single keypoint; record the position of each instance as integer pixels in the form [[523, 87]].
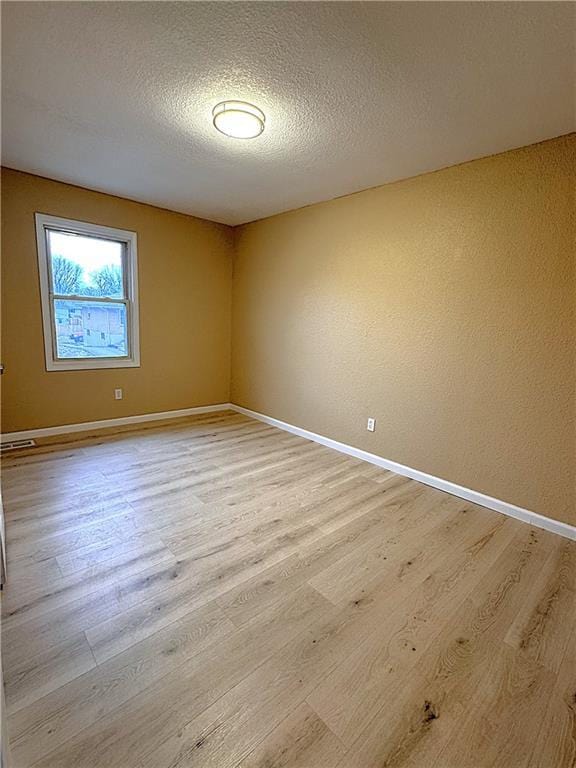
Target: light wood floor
[[214, 592]]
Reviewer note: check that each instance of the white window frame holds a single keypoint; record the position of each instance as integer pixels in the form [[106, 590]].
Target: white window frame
[[44, 222]]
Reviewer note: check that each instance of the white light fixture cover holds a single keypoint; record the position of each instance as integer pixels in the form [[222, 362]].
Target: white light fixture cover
[[238, 119]]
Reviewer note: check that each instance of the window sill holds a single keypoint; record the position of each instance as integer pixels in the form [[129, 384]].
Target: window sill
[[90, 364]]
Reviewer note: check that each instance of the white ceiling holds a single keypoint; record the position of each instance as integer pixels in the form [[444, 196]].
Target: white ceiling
[[117, 96]]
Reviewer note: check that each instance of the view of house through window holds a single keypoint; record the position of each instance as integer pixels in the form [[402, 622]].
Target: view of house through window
[[90, 330], [88, 267], [88, 280]]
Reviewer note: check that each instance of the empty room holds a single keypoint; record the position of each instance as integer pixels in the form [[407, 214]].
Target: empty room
[[288, 385]]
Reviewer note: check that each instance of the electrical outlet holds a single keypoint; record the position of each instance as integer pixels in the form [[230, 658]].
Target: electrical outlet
[[371, 426], [118, 394]]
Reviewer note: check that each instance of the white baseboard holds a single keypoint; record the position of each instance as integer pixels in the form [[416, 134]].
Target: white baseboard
[[87, 426], [525, 515]]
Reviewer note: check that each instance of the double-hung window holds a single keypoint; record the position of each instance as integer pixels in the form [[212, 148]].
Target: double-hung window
[[89, 291]]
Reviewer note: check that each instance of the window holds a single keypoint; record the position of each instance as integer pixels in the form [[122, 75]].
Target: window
[[88, 283]]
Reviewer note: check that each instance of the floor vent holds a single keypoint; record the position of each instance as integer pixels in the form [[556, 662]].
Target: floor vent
[[15, 444]]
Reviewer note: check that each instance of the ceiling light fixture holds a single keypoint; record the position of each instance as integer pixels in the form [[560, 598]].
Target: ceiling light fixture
[[238, 119]]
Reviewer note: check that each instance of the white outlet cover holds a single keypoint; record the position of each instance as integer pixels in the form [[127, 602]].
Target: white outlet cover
[[118, 394], [371, 426]]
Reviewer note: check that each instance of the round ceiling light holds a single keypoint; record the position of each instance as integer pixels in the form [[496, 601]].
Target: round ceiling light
[[238, 119]]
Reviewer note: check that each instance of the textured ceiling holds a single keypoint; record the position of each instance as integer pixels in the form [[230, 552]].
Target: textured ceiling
[[117, 96]]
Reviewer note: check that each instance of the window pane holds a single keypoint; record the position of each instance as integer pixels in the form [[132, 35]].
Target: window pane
[[90, 329], [85, 266]]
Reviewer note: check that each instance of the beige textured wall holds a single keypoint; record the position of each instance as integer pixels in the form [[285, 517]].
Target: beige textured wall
[[444, 306], [185, 270]]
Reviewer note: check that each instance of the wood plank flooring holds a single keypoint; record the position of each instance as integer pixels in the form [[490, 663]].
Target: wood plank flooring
[[214, 592]]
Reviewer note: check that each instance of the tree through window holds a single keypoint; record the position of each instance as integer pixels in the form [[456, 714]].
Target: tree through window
[[88, 280]]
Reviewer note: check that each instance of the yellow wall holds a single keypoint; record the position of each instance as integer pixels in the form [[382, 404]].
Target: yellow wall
[[185, 270], [443, 306]]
